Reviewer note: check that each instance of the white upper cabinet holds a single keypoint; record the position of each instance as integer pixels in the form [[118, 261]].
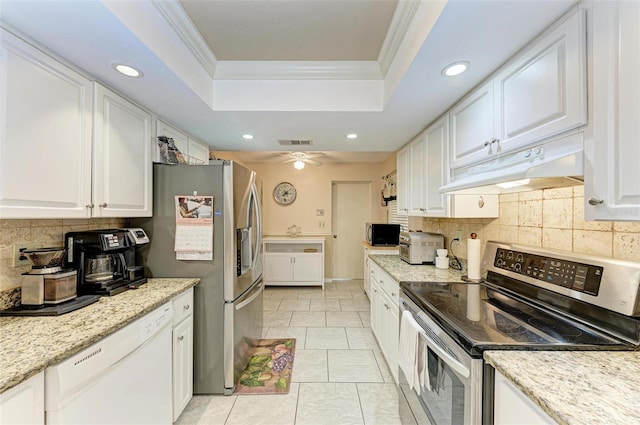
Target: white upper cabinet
[[179, 138], [122, 172], [612, 152], [416, 187], [539, 94], [198, 152], [402, 180], [45, 140], [436, 141], [544, 92], [472, 127]]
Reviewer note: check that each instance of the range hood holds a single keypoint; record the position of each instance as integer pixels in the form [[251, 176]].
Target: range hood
[[558, 163]]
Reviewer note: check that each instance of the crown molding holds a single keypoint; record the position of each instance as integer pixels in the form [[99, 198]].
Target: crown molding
[[298, 70], [400, 24], [178, 20]]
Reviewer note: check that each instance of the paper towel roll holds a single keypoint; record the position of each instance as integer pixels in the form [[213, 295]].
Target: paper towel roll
[[474, 303], [474, 246]]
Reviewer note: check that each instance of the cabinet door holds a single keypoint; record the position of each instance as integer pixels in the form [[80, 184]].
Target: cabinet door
[[366, 277], [24, 404], [182, 366], [612, 175], [179, 138], [417, 177], [402, 183], [45, 140], [277, 267], [375, 309], [472, 127], [198, 153], [513, 407], [122, 173], [544, 92], [308, 268], [393, 335], [436, 163]]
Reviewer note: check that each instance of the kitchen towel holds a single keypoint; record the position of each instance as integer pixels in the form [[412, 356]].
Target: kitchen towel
[[408, 356], [474, 246]]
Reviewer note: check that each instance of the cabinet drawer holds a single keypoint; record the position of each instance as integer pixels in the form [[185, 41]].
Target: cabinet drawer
[[182, 306], [386, 283]]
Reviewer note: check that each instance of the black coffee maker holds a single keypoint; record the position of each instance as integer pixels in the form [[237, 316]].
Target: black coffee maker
[[105, 259]]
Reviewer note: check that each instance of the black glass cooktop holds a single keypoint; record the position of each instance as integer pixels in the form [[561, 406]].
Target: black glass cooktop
[[481, 318]]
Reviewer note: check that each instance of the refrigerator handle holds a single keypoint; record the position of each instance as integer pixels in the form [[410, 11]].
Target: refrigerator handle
[[256, 203]]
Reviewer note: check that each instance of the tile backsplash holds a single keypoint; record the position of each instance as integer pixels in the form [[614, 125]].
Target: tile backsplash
[[47, 232], [551, 218]]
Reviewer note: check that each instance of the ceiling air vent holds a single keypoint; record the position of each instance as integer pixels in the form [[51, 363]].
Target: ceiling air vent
[[288, 142]]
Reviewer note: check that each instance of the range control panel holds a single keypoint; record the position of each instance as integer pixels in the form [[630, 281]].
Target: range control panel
[[569, 274]]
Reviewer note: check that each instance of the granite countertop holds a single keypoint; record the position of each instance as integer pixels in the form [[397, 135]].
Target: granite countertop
[[401, 271], [576, 387], [29, 344]]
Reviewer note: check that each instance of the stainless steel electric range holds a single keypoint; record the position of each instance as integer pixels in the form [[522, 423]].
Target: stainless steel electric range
[[531, 299]]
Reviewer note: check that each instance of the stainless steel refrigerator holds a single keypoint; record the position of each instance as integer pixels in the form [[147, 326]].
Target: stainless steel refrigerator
[[228, 302]]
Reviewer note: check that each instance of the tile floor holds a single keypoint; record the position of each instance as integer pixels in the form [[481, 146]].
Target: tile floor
[[339, 375]]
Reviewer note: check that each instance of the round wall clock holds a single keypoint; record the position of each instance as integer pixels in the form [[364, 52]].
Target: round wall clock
[[284, 193]]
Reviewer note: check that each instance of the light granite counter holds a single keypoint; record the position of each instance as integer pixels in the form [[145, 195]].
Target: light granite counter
[[401, 271], [29, 344], [576, 387]]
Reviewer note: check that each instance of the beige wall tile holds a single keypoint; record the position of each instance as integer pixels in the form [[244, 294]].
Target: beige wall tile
[[557, 239], [580, 224], [509, 213], [593, 242], [578, 191], [509, 234], [532, 195], [530, 214], [10, 236], [10, 276], [491, 232], [46, 223], [6, 224], [530, 236], [508, 197], [562, 192], [557, 213], [626, 226], [52, 236], [626, 246]]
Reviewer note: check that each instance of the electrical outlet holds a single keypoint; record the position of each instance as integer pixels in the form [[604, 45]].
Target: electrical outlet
[[458, 235], [321, 223], [18, 248]]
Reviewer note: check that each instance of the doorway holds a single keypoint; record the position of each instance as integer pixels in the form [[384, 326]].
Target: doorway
[[350, 203]]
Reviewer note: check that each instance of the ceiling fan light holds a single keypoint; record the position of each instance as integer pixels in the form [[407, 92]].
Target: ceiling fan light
[[298, 165], [352, 136], [247, 136]]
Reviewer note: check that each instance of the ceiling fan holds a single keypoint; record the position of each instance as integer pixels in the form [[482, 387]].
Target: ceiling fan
[[299, 159]]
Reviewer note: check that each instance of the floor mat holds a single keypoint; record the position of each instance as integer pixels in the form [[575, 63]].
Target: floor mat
[[269, 369]]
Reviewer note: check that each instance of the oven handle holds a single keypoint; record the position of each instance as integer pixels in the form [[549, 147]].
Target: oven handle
[[446, 357]]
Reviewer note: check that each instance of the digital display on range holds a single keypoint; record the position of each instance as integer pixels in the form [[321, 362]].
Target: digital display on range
[[569, 274]]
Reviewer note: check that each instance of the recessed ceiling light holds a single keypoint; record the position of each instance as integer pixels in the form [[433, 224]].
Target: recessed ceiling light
[[352, 136], [247, 136], [127, 70], [455, 68]]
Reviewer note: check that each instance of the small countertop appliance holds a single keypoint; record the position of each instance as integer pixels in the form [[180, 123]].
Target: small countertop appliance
[[105, 259], [420, 247]]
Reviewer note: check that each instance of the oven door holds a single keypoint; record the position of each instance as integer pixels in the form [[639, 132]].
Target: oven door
[[455, 378]]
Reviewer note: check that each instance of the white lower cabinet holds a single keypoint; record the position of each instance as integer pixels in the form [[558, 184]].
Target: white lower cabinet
[[513, 407], [368, 250], [24, 404], [612, 151], [385, 318], [182, 352], [293, 261]]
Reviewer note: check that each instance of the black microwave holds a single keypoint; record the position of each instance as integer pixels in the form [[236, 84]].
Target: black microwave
[[382, 234]]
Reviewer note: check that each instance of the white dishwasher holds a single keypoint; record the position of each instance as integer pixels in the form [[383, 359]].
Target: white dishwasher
[[124, 378]]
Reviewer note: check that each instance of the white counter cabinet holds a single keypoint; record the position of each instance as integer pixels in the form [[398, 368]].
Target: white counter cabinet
[[385, 317], [24, 404], [182, 322], [295, 261], [374, 250], [513, 407]]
